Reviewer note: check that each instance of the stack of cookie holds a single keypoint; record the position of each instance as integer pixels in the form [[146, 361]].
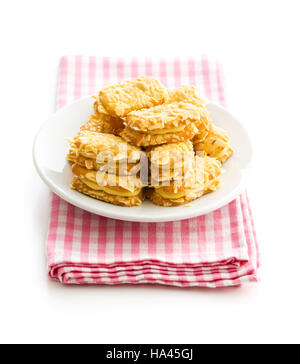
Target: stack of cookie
[[174, 176], [169, 126], [105, 167], [179, 176]]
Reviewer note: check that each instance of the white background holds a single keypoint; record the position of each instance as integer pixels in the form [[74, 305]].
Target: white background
[[258, 43]]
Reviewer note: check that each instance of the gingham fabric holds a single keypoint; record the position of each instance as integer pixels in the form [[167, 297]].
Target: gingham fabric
[[215, 250]]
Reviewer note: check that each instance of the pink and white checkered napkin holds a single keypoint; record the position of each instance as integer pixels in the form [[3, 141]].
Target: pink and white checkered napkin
[[215, 250]]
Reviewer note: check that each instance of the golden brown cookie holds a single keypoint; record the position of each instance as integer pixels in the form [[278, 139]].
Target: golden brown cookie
[[179, 191], [192, 95], [135, 94], [167, 123], [215, 144], [102, 122], [103, 147], [206, 179], [163, 119], [212, 172], [167, 199], [103, 195]]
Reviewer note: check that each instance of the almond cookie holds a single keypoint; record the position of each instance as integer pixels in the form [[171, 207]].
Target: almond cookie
[[179, 191], [114, 196], [206, 179], [213, 144], [170, 196], [102, 122], [103, 148], [135, 94], [212, 172], [167, 123]]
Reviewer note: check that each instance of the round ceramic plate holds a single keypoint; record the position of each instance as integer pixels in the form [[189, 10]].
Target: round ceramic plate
[[50, 149]]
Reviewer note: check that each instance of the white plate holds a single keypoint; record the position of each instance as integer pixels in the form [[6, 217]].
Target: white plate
[[50, 149]]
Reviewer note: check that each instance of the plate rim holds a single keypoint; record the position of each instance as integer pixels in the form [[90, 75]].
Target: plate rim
[[185, 214]]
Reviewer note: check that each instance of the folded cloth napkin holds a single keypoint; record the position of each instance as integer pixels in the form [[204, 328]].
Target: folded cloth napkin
[[215, 250]]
